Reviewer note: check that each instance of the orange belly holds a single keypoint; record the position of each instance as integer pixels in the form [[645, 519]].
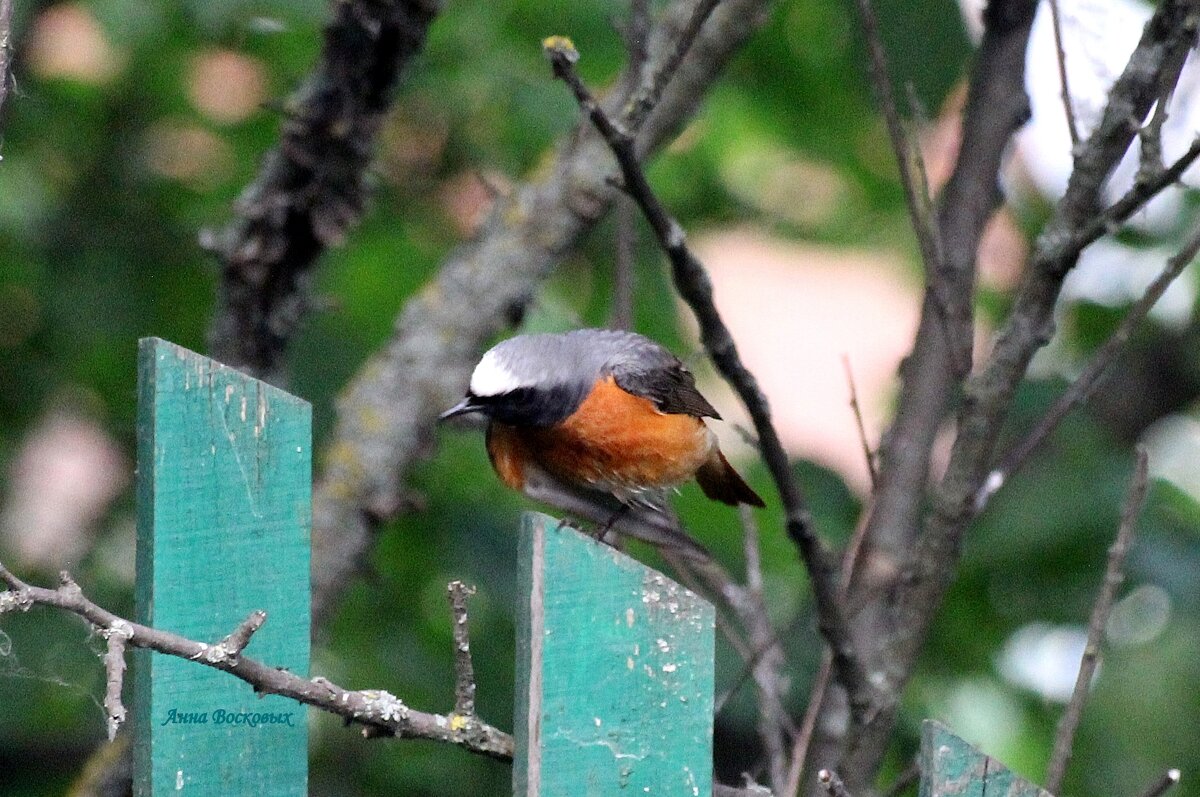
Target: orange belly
[[615, 441]]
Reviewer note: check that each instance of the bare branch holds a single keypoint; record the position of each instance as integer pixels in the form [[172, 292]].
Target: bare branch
[[832, 784], [377, 711], [636, 36], [1163, 784], [955, 316], [1144, 189], [1093, 375], [312, 187], [694, 285], [1114, 576], [464, 670], [233, 645], [868, 454], [651, 91], [750, 535], [1150, 136], [996, 106], [114, 675], [1068, 105]]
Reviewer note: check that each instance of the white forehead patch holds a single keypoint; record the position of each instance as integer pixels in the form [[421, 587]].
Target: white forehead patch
[[491, 378]]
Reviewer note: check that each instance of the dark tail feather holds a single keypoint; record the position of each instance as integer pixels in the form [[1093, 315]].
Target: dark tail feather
[[721, 482]]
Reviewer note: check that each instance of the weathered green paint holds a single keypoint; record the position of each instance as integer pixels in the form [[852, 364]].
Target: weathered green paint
[[224, 514], [614, 673], [952, 768]]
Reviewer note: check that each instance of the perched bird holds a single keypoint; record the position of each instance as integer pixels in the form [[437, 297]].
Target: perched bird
[[595, 412]]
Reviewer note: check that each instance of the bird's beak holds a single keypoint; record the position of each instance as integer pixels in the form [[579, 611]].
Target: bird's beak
[[461, 408]]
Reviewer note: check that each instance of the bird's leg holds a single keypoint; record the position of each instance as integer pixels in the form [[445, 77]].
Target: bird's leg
[[613, 518]]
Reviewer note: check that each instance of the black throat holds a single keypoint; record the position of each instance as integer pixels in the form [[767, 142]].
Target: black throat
[[534, 406]]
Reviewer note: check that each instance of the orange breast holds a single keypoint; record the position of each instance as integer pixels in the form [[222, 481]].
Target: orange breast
[[618, 440]]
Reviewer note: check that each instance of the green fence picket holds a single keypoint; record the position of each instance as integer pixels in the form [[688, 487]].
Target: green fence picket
[[224, 515], [614, 673]]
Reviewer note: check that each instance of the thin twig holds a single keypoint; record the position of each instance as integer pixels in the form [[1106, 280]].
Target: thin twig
[[1134, 199], [904, 781], [924, 193], [1160, 786], [868, 454], [1150, 136], [651, 91], [694, 285], [1068, 106], [1114, 576], [832, 783], [114, 676], [236, 642], [750, 790], [816, 694], [1093, 375], [378, 711], [637, 35], [464, 670], [954, 318]]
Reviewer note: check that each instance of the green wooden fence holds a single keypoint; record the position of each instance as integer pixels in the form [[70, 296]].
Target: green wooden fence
[[615, 660]]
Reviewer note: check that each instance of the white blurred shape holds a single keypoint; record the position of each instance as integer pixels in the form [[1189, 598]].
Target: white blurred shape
[[1112, 274], [64, 476], [1139, 617], [1173, 447], [1044, 659]]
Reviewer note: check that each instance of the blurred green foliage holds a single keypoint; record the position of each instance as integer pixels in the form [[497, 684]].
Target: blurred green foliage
[[98, 230]]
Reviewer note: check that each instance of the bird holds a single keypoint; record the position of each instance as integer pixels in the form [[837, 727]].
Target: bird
[[598, 416]]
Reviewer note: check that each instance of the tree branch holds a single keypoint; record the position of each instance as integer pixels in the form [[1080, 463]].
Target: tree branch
[[954, 314], [1068, 105], [1163, 784], [1093, 375], [1114, 576], [378, 711], [464, 670], [832, 783], [860, 427], [909, 565], [694, 285], [114, 676], [312, 187]]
